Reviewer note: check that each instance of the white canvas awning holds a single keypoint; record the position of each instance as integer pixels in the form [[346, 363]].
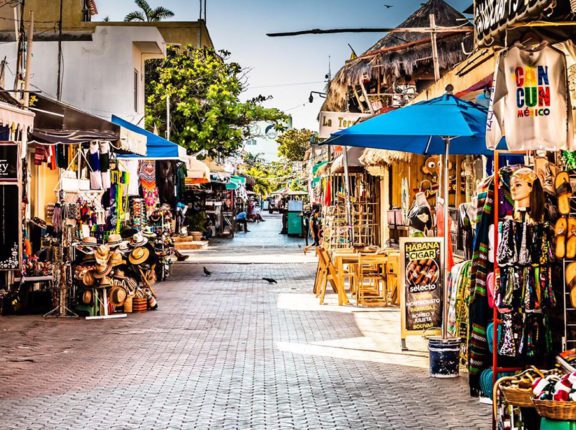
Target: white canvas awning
[[12, 116], [132, 142], [197, 170]]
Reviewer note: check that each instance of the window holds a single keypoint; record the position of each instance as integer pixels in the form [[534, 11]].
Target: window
[[136, 90]]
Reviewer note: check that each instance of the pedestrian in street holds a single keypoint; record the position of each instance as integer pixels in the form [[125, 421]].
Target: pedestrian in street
[[242, 218], [314, 227], [283, 209]]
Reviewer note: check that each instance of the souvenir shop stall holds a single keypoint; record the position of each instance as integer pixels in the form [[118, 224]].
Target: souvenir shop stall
[[14, 125], [213, 207], [512, 301], [105, 235]]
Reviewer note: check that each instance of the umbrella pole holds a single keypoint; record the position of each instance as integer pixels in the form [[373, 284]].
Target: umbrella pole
[[446, 239], [348, 203]]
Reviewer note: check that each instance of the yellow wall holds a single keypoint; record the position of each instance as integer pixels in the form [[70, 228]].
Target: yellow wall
[[42, 189], [47, 15]]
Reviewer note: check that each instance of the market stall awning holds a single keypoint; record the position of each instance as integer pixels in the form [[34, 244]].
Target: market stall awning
[[69, 137], [354, 164], [56, 122], [13, 116], [157, 148], [197, 171]]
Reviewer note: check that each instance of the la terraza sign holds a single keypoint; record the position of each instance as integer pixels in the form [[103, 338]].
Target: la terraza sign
[[331, 122], [492, 17]]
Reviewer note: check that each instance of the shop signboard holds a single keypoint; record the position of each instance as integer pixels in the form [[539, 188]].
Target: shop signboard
[[10, 233], [331, 122], [9, 162], [421, 263], [493, 17]]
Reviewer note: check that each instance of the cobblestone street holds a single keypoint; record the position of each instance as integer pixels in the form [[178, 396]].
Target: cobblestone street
[[228, 352]]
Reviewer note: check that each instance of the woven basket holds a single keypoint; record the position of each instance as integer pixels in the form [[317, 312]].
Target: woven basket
[[561, 411], [139, 304], [518, 396]]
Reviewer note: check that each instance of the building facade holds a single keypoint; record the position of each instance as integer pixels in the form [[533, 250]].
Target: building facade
[[101, 69]]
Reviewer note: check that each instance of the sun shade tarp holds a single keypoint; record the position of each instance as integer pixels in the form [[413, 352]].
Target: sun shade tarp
[[157, 148]]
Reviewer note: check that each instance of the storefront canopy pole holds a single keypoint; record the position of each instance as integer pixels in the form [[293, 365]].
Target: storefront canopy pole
[[446, 239], [347, 191]]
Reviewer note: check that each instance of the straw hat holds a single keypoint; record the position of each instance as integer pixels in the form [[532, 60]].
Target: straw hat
[[102, 271], [117, 295], [124, 247], [116, 259], [87, 297], [114, 240], [102, 254], [147, 232], [105, 282], [139, 255], [138, 240], [119, 274], [88, 279], [88, 245]]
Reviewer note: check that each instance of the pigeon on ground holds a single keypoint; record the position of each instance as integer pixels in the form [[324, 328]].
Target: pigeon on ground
[[270, 280], [207, 272]]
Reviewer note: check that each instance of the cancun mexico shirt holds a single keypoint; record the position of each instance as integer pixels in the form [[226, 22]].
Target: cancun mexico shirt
[[530, 104]]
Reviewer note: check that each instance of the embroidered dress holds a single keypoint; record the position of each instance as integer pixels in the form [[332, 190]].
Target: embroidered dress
[[147, 177]]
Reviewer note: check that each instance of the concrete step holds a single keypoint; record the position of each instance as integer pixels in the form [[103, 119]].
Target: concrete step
[[191, 244]]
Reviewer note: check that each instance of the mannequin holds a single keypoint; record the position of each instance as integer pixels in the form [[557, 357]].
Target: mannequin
[[527, 194]]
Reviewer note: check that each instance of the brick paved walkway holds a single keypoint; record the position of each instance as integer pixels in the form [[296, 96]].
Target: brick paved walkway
[[226, 352]]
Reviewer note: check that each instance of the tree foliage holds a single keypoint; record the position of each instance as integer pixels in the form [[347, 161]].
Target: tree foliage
[[294, 143], [206, 112], [147, 13], [274, 176]]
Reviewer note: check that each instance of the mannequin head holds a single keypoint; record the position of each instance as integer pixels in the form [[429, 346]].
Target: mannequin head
[[527, 192], [521, 185]]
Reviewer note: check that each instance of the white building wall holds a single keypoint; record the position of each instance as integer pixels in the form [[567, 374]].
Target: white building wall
[[98, 75]]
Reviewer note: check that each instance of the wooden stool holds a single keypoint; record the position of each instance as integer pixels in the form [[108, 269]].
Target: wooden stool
[[371, 288]]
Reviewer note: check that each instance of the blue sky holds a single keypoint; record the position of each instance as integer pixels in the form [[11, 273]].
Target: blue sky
[[285, 68]]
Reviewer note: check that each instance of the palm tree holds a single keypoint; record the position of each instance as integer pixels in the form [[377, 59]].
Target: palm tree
[[147, 14]]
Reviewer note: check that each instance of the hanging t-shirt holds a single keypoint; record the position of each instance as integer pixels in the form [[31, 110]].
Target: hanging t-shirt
[[569, 49], [530, 104]]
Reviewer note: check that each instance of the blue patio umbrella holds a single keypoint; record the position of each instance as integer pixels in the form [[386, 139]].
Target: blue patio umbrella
[[422, 128], [443, 125]]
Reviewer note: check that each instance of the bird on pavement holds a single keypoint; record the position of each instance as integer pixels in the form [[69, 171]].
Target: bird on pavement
[[270, 280], [207, 272]]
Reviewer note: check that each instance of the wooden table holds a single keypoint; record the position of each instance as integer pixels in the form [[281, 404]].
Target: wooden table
[[340, 258]]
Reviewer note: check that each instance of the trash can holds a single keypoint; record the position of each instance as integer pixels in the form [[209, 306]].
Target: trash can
[[295, 208], [444, 357]]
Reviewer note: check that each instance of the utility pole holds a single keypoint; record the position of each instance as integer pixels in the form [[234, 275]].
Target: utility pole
[[19, 30], [59, 76], [168, 117], [434, 48], [28, 60]]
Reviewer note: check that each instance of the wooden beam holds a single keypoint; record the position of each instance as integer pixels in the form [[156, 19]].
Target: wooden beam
[[466, 29]]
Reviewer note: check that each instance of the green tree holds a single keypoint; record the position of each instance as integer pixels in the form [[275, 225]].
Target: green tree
[[294, 143], [204, 90], [147, 14]]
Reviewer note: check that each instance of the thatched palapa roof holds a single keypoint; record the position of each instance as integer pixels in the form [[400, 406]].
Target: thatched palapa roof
[[403, 57], [382, 157]]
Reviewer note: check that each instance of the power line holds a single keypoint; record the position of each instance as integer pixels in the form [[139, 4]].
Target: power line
[[285, 85]]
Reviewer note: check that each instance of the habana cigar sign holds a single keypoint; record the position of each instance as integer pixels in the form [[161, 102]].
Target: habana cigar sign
[[492, 17], [422, 263]]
